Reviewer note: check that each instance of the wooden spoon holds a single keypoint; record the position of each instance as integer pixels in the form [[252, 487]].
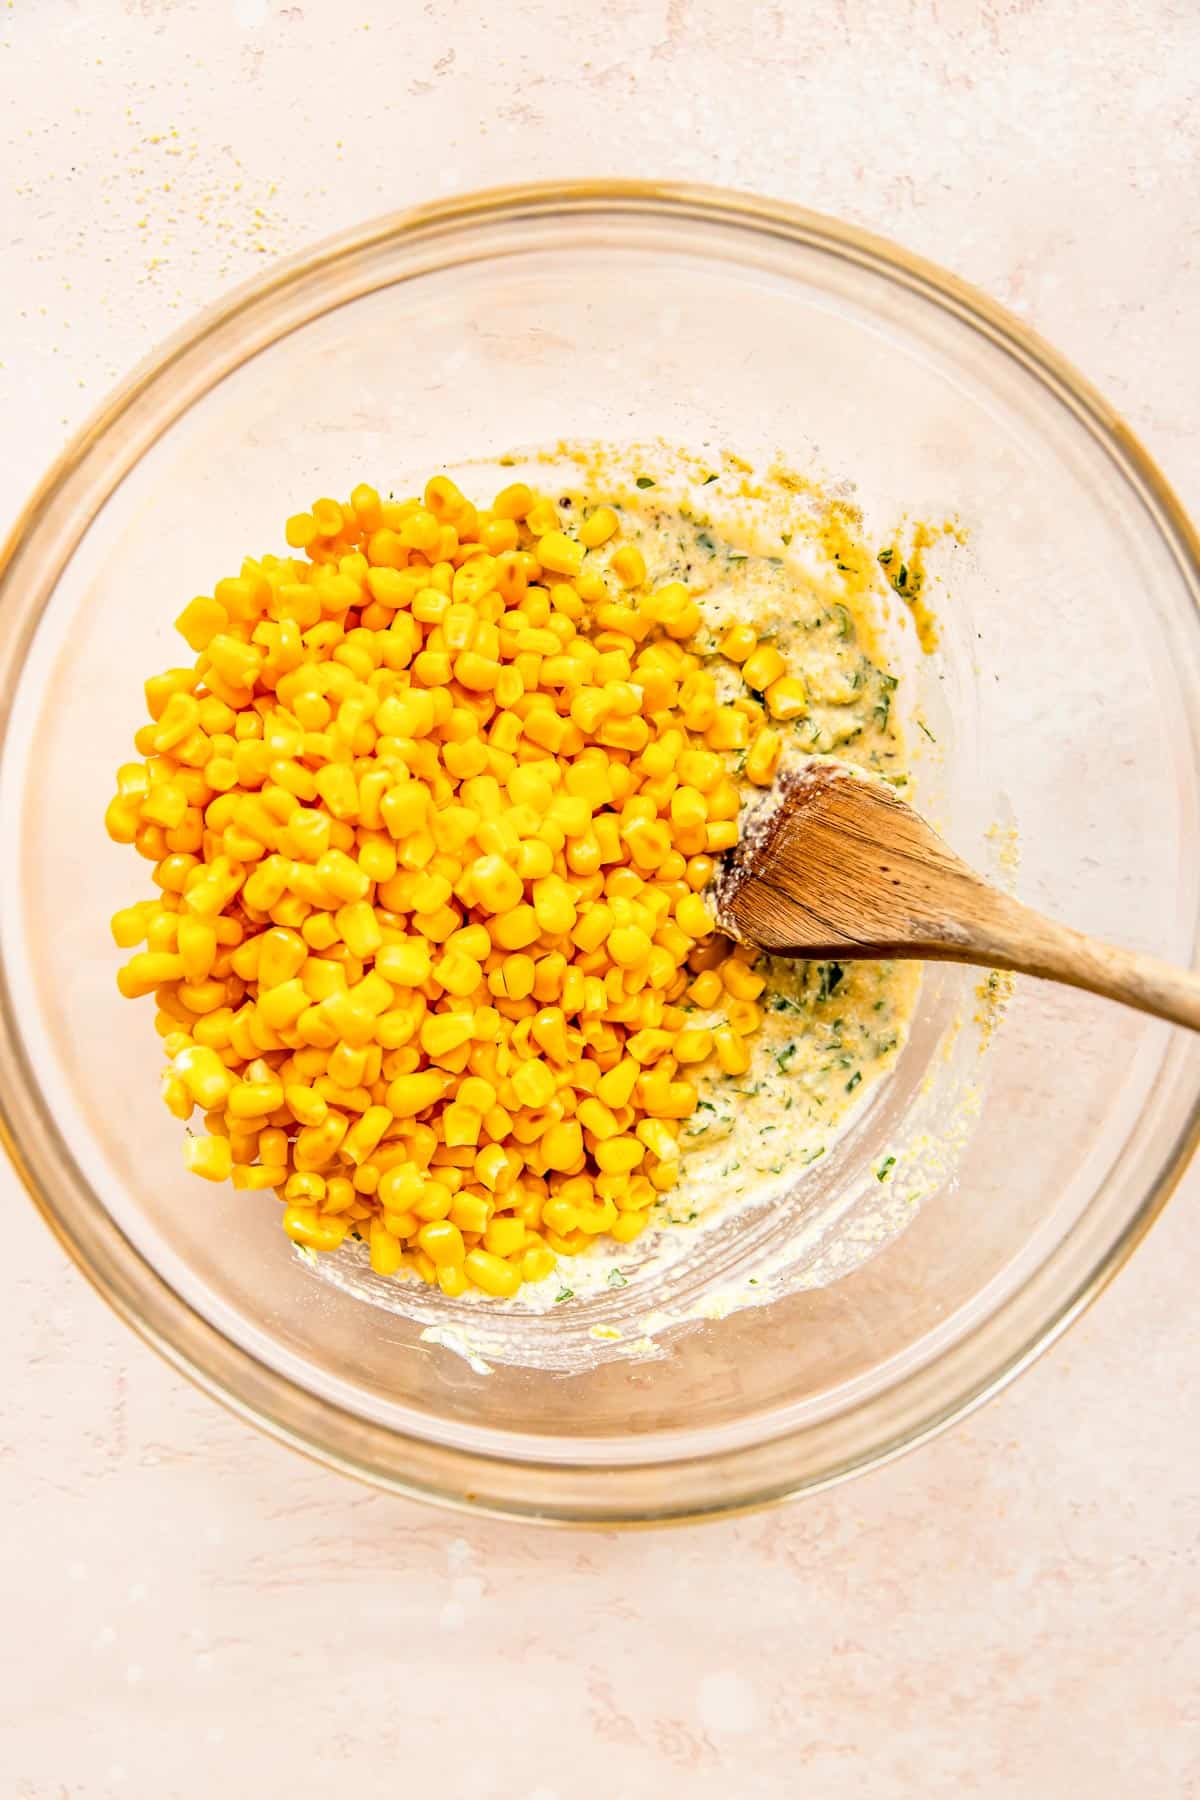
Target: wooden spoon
[[834, 865]]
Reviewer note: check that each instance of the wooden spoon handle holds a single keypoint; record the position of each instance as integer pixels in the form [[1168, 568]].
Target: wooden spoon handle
[[1011, 936]]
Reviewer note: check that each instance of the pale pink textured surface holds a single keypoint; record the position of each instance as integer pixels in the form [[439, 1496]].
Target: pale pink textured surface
[[187, 1609]]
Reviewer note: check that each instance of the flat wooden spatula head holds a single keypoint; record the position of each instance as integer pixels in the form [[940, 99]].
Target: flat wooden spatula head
[[831, 863]]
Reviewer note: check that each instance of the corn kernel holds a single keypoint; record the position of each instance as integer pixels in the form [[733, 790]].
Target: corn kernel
[[762, 667], [149, 970], [744, 1017], [536, 1264], [205, 1076], [629, 946], [598, 527], [616, 1086], [386, 1251], [739, 642], [495, 887], [210, 1157], [492, 1274], [786, 698], [534, 1084], [629, 566], [562, 1145], [504, 1237], [597, 1118], [732, 1053], [619, 1155], [315, 1232], [409, 1095], [442, 1240], [693, 916], [693, 1045], [461, 1125], [740, 980], [516, 928], [513, 502], [762, 759], [559, 553], [407, 964], [443, 1033]]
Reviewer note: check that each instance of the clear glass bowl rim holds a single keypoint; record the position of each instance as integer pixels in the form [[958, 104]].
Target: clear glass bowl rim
[[38, 549]]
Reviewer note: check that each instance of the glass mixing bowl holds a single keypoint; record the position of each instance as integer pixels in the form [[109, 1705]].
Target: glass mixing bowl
[[1065, 700]]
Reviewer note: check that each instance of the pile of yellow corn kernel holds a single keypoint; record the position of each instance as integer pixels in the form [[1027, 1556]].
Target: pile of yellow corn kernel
[[431, 815]]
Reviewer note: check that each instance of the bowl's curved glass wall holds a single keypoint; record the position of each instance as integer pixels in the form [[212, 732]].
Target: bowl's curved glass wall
[[1064, 701]]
